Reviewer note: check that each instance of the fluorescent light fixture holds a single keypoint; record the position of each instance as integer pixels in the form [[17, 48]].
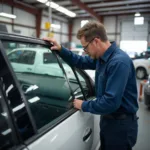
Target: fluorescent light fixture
[[137, 14], [7, 15], [138, 20], [52, 4], [42, 1], [58, 8], [66, 11], [57, 26]]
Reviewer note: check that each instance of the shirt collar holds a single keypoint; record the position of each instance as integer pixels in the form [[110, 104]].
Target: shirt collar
[[108, 52]]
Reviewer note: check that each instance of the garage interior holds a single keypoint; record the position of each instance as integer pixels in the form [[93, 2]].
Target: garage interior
[[126, 21]]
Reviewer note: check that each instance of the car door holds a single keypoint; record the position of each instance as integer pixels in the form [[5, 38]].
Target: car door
[[51, 121]]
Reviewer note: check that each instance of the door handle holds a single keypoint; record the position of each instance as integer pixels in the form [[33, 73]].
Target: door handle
[[87, 134]]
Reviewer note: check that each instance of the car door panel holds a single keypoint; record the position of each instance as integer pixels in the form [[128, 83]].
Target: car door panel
[[68, 135], [73, 133]]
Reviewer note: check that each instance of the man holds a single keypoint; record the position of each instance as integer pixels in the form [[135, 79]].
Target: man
[[115, 84]]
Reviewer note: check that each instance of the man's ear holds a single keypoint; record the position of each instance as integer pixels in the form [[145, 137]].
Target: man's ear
[[97, 40]]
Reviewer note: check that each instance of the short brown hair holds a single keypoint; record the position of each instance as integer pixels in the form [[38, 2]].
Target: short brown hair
[[92, 29]]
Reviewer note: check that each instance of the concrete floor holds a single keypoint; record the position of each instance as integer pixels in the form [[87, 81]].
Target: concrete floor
[[143, 141]]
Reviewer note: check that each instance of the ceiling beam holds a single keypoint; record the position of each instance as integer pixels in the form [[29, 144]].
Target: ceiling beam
[[87, 9], [21, 6], [126, 12], [127, 2], [99, 1], [119, 13], [122, 8]]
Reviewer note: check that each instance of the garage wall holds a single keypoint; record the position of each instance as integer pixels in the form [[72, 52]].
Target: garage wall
[[113, 25], [29, 23], [109, 22], [76, 27], [60, 34], [7, 9]]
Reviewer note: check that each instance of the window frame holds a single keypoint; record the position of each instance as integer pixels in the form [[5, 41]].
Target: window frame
[[51, 125], [10, 120]]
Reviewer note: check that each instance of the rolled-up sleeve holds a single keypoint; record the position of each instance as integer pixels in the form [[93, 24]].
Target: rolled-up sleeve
[[82, 62], [118, 74]]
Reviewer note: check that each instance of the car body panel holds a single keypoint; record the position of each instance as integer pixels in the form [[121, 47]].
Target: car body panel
[[147, 92], [145, 63], [69, 133]]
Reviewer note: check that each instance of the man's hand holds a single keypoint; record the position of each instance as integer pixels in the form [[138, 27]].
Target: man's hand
[[54, 42], [77, 103]]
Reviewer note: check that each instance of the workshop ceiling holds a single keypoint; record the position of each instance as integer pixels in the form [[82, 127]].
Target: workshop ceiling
[[95, 8]]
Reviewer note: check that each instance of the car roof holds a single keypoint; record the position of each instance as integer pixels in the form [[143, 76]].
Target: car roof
[[32, 49]]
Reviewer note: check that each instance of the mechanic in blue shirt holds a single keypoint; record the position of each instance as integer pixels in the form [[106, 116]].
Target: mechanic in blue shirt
[[115, 84]]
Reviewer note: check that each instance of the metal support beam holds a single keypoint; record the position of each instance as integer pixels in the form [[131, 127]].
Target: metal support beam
[[70, 27], [123, 8], [38, 23], [87, 9], [21, 6], [126, 12], [127, 2]]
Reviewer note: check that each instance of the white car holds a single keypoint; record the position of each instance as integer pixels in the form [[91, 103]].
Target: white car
[[39, 60], [142, 67], [37, 90]]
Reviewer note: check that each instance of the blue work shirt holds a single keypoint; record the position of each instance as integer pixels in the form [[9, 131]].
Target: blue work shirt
[[115, 81]]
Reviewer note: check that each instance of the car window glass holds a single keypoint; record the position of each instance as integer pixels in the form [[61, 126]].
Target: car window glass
[[45, 87], [6, 141], [72, 79], [15, 101]]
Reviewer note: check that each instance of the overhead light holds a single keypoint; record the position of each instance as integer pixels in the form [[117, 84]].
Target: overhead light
[[42, 1], [137, 14], [7, 15], [58, 8], [52, 4], [66, 11], [139, 20]]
